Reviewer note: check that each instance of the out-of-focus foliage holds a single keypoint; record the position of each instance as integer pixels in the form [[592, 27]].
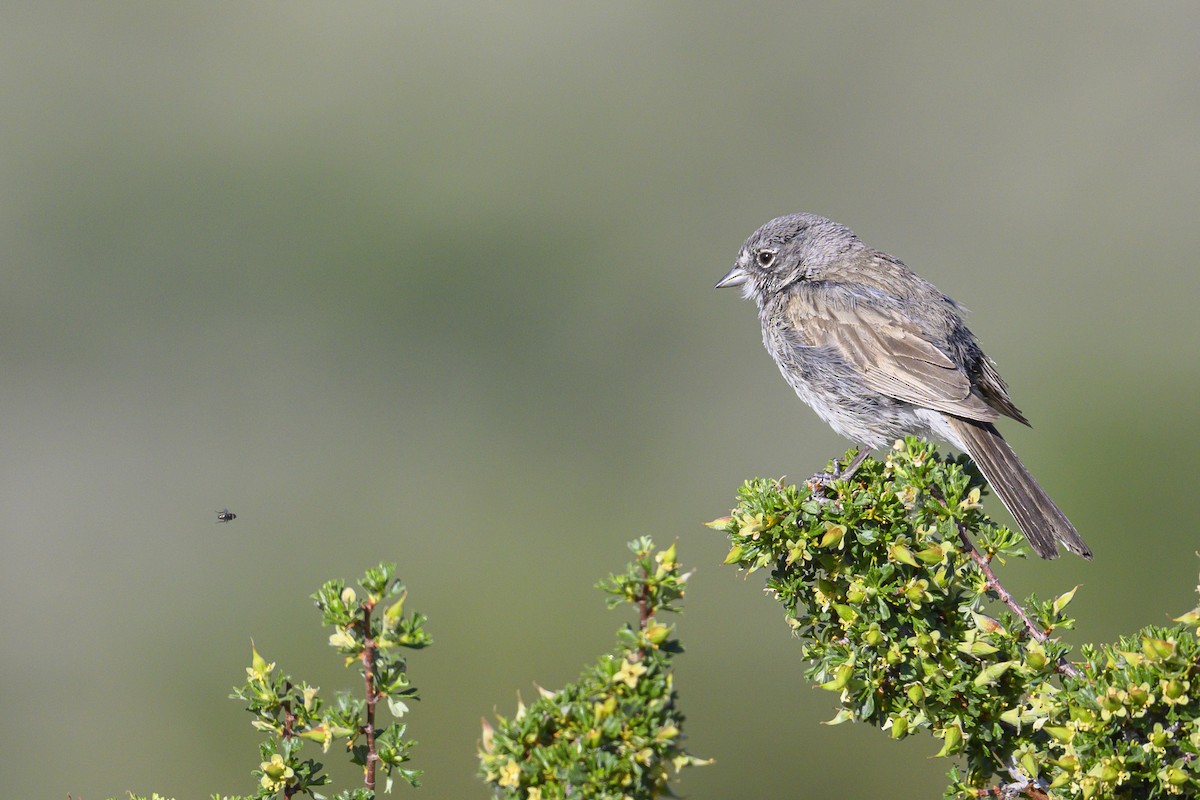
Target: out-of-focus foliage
[[370, 631], [617, 732]]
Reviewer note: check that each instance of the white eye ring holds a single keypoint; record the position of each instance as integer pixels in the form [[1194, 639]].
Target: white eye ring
[[765, 257]]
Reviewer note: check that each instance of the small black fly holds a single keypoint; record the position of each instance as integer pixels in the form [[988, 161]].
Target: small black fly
[[226, 516]]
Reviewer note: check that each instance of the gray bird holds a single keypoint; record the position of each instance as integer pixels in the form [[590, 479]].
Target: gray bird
[[880, 353]]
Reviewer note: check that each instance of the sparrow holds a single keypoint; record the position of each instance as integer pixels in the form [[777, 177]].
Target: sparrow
[[880, 353]]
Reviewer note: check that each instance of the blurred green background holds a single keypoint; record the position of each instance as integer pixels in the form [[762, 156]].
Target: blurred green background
[[432, 283]]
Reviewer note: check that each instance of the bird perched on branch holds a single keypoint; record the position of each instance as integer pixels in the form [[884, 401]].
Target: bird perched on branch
[[880, 353]]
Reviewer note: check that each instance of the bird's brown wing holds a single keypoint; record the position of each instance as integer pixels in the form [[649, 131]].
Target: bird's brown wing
[[892, 355]]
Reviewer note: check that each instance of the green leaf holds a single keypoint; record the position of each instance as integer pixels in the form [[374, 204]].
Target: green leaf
[[1063, 599]]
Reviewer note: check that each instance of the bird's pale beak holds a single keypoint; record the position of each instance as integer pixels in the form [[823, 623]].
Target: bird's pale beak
[[735, 277]]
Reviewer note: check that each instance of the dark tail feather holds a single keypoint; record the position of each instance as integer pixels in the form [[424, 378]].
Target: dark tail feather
[[1042, 522]]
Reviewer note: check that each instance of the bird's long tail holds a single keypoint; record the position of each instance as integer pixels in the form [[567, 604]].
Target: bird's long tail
[[1043, 523]]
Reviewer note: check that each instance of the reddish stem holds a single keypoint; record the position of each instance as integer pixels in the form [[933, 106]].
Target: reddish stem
[[985, 566], [289, 732], [643, 602], [368, 661], [643, 605]]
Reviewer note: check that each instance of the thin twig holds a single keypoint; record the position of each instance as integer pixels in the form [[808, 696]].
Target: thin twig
[[985, 566], [643, 598], [643, 606], [368, 661], [289, 731]]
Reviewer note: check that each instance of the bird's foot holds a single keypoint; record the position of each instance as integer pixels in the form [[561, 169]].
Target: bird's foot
[[823, 480]]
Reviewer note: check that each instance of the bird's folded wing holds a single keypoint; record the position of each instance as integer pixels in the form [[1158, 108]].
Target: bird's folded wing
[[893, 357]]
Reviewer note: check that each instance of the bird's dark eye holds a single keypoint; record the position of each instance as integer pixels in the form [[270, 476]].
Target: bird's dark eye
[[765, 258]]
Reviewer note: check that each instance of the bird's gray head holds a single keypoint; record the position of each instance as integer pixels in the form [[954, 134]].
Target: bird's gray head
[[785, 250]]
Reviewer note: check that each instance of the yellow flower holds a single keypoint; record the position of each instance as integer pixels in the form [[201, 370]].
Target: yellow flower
[[666, 561], [605, 709], [510, 774], [1174, 691], [629, 673], [259, 670], [752, 525], [342, 640], [275, 773]]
